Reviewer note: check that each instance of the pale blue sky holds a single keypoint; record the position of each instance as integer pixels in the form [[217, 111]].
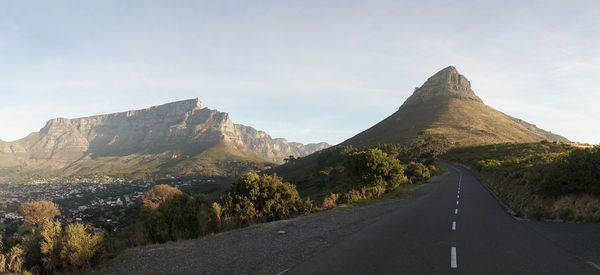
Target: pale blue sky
[[307, 71]]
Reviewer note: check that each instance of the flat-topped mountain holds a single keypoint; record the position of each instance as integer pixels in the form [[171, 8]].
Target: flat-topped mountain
[[178, 131], [445, 105]]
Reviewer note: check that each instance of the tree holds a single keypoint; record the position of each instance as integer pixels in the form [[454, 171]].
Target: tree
[[158, 194], [79, 245], [51, 245], [375, 168], [255, 198], [36, 212]]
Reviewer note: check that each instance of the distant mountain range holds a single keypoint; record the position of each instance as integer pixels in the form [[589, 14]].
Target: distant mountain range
[[183, 138], [175, 138], [446, 106]]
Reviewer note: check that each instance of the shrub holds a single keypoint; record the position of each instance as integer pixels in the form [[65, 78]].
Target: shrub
[[182, 217], [218, 212], [31, 247], [577, 172], [2, 263], [136, 234], [51, 245], [375, 168], [352, 196], [417, 172], [158, 194], [255, 198], [308, 205], [16, 258], [373, 191], [79, 246], [331, 201]]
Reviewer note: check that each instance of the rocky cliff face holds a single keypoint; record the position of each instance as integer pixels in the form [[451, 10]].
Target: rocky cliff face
[[446, 83], [185, 127]]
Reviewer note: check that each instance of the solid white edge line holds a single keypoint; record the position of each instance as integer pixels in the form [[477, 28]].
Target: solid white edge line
[[453, 263], [283, 271], [453, 225]]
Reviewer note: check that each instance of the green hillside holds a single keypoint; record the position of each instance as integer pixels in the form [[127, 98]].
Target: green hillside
[[546, 180]]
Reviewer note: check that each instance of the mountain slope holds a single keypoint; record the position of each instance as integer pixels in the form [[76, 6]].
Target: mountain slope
[[178, 137], [446, 106]]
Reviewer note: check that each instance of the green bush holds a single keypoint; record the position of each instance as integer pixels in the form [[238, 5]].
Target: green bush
[[182, 217], [375, 168], [577, 172], [254, 198], [417, 172]]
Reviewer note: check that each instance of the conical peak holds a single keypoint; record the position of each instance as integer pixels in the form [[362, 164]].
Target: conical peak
[[449, 69], [445, 83], [449, 76]]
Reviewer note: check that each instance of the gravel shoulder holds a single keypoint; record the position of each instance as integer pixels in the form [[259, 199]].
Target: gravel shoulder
[[258, 249]]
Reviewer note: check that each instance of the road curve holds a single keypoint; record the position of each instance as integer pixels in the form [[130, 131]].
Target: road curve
[[458, 228]]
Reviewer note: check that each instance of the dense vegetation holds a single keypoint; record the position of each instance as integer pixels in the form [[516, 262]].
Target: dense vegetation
[[52, 247], [577, 172], [544, 180], [181, 217], [166, 214], [334, 170]]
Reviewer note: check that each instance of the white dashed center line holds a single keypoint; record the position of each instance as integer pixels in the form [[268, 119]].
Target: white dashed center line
[[453, 263]]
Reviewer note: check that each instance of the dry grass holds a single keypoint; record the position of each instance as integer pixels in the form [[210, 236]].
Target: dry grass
[[578, 207]]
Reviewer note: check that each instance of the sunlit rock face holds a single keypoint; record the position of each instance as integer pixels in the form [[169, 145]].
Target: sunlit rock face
[[183, 126]]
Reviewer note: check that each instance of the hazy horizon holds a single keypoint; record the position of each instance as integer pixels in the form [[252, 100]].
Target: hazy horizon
[[305, 71]]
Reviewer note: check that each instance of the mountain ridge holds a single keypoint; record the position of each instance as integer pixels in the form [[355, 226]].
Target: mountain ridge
[[181, 128]]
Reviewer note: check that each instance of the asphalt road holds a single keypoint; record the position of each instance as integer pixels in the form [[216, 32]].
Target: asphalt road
[[458, 228]]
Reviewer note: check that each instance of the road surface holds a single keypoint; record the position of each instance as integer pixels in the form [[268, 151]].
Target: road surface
[[458, 228]]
